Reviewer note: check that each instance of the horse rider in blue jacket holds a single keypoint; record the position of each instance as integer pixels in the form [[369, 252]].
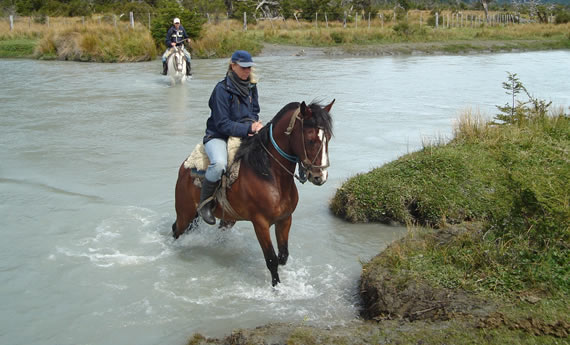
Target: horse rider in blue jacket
[[234, 109], [176, 36]]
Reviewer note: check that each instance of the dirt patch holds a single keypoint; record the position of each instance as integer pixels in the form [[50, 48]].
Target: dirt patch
[[560, 329], [389, 294]]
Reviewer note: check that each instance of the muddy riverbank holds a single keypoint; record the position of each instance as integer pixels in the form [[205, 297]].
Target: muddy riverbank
[[408, 48]]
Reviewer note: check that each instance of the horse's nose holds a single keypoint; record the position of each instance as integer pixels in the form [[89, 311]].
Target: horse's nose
[[318, 180]]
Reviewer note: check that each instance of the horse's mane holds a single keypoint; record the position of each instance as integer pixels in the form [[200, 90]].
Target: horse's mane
[[251, 150]]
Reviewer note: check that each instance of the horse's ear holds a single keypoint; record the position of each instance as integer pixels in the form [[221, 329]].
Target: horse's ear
[[306, 111], [328, 107]]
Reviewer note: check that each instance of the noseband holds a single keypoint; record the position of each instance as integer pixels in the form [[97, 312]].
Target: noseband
[[305, 164]]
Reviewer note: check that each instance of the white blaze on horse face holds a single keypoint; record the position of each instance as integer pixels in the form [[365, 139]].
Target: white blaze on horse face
[[324, 155]]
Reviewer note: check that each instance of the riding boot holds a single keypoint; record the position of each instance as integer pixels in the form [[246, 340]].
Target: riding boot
[[208, 189], [164, 68], [188, 68]]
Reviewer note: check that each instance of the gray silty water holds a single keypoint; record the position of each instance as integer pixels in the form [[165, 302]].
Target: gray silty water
[[89, 157]]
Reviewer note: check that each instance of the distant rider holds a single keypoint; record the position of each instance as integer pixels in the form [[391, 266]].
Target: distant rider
[[176, 36]]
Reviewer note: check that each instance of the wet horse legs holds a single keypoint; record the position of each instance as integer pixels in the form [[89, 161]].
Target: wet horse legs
[[262, 233], [282, 235]]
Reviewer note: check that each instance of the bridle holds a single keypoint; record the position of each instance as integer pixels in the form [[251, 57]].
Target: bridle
[[305, 164]]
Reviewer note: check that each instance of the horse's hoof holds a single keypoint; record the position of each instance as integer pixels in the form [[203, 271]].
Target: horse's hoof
[[275, 281], [282, 259]]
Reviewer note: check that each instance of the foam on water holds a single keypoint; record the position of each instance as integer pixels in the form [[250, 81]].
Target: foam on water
[[112, 241]]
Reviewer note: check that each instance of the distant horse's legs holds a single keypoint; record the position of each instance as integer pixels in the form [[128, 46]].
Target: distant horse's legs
[[282, 234], [262, 233]]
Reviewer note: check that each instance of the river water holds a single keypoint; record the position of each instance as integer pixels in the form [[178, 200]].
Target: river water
[[88, 162]]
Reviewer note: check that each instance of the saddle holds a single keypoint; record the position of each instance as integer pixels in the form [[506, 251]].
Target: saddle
[[198, 162]]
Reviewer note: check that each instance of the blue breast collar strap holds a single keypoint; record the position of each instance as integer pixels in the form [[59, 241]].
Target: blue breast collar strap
[[285, 155]]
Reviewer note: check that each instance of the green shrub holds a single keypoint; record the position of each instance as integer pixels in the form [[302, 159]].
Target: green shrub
[[562, 17]]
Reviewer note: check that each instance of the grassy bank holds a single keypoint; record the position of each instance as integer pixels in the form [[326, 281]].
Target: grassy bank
[[97, 42], [74, 39], [403, 37], [510, 184], [71, 39]]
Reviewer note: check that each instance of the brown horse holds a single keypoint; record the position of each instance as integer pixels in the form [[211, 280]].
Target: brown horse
[[265, 191]]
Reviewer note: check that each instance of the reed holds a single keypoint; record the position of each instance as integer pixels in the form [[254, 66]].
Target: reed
[[97, 42], [223, 39]]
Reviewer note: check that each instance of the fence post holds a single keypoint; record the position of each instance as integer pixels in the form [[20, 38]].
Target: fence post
[[132, 19], [394, 17], [316, 19], [83, 20], [244, 21], [369, 20], [382, 20], [356, 20], [149, 20], [326, 20], [11, 22], [344, 21], [436, 20]]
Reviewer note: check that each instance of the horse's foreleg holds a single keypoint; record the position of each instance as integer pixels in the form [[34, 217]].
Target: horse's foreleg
[[282, 234], [262, 233]]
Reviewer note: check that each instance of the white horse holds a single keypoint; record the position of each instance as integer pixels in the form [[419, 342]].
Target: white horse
[[177, 66]]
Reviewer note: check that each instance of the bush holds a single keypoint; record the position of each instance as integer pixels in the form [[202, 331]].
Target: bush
[[562, 17]]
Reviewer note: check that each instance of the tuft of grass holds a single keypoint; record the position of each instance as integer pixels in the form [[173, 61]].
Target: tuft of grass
[[98, 43], [222, 40], [20, 47]]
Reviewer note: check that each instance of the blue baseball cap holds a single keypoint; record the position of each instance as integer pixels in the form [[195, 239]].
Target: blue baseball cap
[[242, 58]]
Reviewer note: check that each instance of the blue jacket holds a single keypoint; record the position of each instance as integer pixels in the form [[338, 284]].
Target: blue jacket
[[174, 35], [231, 114]]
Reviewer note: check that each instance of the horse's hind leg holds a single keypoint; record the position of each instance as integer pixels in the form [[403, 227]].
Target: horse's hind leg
[[183, 226], [282, 234], [184, 203]]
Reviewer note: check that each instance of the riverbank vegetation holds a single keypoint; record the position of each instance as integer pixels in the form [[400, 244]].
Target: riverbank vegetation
[[100, 31], [507, 183]]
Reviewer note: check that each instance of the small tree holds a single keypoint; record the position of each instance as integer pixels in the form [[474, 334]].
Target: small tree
[[485, 4], [518, 112]]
